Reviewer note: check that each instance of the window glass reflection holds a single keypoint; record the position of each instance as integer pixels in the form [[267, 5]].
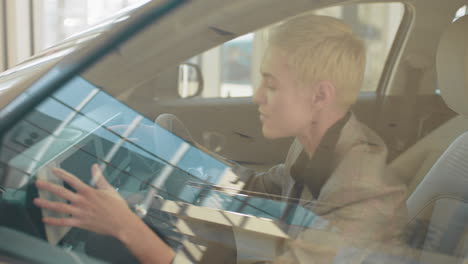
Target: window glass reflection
[[56, 20]]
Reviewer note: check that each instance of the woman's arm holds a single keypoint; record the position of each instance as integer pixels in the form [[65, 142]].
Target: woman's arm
[[143, 243]]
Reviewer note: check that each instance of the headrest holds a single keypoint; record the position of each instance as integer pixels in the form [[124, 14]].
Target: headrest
[[452, 66]]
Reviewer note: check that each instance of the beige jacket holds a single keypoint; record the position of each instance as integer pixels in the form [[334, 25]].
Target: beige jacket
[[360, 204]]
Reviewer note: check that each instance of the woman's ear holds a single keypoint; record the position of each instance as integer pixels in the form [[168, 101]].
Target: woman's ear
[[324, 93]]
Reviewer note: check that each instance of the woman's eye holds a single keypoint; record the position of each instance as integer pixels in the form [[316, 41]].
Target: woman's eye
[[267, 83]]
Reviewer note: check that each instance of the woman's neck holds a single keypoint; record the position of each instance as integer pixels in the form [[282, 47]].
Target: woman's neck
[[314, 134]]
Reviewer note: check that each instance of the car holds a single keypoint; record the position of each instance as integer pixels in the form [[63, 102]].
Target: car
[[103, 95]]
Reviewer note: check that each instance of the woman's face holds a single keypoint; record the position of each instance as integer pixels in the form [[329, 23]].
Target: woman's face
[[285, 109]]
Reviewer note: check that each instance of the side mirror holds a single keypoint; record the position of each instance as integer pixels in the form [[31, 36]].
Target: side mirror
[[190, 80]]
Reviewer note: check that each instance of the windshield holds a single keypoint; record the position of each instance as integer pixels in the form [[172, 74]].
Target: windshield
[[81, 125]]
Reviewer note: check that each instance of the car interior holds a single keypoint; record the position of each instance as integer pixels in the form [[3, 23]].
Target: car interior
[[418, 107]]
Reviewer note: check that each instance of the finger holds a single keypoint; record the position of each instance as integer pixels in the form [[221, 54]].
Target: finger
[[57, 190], [68, 221], [116, 128], [71, 179], [99, 178], [56, 206]]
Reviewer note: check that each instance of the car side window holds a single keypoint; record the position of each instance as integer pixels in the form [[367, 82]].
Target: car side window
[[231, 69]]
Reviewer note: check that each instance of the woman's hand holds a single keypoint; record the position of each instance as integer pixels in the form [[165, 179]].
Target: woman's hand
[[101, 209]]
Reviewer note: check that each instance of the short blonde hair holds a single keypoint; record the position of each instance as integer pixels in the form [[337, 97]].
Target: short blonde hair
[[323, 48]]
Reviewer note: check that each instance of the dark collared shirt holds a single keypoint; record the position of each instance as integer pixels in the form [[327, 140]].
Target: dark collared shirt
[[313, 173]]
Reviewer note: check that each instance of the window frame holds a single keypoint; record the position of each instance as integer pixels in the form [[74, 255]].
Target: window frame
[[211, 59]]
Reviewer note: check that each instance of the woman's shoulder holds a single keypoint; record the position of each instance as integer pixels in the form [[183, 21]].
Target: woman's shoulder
[[356, 136]]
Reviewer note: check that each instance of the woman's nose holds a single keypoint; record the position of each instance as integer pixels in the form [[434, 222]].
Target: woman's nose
[[259, 96]]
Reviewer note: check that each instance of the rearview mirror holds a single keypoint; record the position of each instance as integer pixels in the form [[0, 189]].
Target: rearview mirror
[[190, 80]]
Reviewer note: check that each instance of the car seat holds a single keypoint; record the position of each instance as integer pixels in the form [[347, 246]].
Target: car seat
[[438, 207]]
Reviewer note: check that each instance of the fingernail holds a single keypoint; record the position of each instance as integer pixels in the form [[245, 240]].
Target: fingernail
[[95, 168]]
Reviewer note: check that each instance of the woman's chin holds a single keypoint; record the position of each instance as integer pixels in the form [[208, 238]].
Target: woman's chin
[[270, 133]]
